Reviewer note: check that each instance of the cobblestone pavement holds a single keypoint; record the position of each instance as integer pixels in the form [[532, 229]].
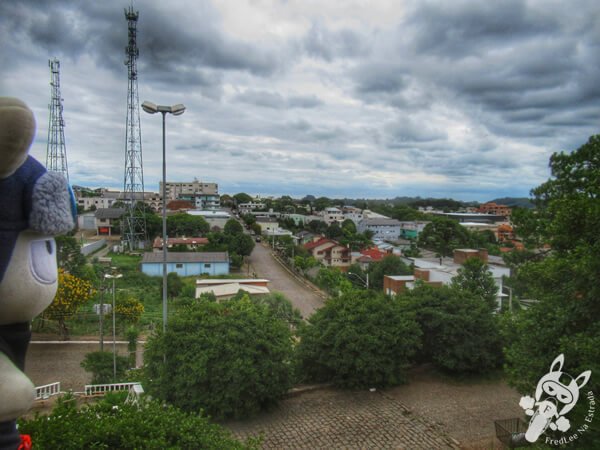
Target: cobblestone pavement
[[332, 419]]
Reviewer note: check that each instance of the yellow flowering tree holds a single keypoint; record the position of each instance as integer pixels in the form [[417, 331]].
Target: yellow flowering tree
[[72, 292], [130, 309]]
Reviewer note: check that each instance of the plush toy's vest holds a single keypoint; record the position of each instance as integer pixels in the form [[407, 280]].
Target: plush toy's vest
[[35, 205]]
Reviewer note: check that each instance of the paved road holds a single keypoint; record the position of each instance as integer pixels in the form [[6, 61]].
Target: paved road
[[301, 296]]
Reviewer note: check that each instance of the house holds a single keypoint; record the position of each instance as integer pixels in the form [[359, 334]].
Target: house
[[216, 219], [411, 230], [303, 237], [225, 288], [106, 219], [179, 205], [183, 189], [494, 208], [192, 243], [388, 229], [332, 214], [396, 284], [187, 263], [440, 271], [329, 252], [267, 225], [246, 208]]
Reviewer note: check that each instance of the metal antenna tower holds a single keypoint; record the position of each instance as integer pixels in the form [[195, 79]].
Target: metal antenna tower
[[134, 232], [56, 152]]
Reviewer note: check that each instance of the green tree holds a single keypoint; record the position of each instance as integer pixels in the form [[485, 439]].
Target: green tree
[[389, 265], [280, 306], [230, 359], [334, 231], [69, 256], [233, 227], [317, 226], [112, 423], [183, 224], [460, 333], [174, 285], [475, 276], [321, 203], [333, 281], [242, 197], [564, 281], [240, 244], [443, 235], [358, 340], [101, 366]]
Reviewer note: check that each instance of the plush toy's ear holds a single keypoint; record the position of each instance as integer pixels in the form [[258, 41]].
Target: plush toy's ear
[[16, 134]]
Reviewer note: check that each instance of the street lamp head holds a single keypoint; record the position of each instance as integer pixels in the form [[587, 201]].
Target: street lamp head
[[150, 107], [178, 109]]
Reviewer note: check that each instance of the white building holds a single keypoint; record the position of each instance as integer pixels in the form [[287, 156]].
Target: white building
[[332, 214], [387, 229]]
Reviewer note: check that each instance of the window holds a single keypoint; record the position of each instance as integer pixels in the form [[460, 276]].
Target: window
[[207, 266], [179, 266]]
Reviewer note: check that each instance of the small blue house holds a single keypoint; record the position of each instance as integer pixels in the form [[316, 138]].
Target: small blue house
[[186, 264]]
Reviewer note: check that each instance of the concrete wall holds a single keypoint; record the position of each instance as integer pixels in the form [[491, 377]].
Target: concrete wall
[[90, 248]]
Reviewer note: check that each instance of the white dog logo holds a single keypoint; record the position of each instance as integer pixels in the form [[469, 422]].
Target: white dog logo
[[556, 394]]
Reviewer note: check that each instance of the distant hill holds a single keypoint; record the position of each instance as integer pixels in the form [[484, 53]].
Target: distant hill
[[521, 202]]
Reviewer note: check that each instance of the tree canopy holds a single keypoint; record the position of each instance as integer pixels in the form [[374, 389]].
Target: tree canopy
[[564, 280], [231, 358], [183, 224], [358, 340], [460, 333]]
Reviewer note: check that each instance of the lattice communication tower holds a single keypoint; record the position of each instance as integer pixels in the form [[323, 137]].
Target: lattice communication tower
[[134, 233], [56, 151]]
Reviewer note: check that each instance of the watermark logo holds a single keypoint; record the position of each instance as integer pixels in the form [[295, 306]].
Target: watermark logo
[[556, 394]]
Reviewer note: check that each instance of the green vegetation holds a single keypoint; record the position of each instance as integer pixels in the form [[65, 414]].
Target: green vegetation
[[112, 423], [460, 333], [231, 359], [389, 265], [358, 340], [101, 366], [563, 281]]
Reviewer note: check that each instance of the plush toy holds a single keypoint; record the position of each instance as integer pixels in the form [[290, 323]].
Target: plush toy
[[35, 205]]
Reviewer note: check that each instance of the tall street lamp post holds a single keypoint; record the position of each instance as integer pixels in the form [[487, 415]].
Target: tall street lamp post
[[114, 276], [176, 110]]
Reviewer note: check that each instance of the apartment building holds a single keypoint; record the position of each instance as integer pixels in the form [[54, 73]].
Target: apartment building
[[181, 189]]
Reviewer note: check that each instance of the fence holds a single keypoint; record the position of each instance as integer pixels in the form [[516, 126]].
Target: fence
[[46, 391], [101, 389]]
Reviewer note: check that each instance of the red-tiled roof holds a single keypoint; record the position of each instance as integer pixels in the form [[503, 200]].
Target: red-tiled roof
[[314, 244], [374, 253]]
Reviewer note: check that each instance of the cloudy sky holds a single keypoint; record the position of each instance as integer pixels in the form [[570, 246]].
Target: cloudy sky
[[355, 98]]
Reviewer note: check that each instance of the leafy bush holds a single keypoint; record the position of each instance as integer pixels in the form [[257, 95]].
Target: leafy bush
[[231, 358], [101, 365], [460, 333], [114, 424], [358, 340]]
